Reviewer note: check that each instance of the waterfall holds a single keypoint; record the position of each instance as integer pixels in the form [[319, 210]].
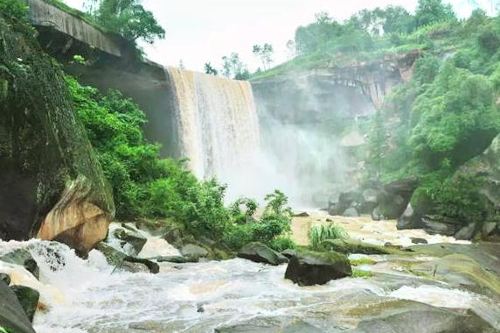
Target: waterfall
[[217, 123]]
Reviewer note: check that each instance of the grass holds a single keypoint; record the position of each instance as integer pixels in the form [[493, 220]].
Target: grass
[[318, 234], [359, 273], [362, 261]]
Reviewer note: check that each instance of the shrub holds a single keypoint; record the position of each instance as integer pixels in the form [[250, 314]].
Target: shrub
[[282, 243], [320, 233], [14, 9]]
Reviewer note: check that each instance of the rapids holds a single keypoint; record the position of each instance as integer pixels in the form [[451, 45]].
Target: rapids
[[89, 296]]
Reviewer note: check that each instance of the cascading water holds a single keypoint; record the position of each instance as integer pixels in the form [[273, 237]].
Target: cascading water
[[217, 122]]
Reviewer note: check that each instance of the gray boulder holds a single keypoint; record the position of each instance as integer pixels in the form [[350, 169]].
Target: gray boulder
[[5, 278], [377, 215], [259, 252], [28, 298], [394, 198], [193, 251], [410, 219], [129, 237], [488, 228], [12, 315], [435, 224], [309, 268], [124, 262], [467, 232]]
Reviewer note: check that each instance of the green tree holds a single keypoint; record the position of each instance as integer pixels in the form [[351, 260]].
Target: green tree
[[210, 70], [433, 11], [127, 18], [265, 53], [233, 67]]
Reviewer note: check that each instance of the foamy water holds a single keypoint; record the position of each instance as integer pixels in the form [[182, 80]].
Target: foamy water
[[85, 296]]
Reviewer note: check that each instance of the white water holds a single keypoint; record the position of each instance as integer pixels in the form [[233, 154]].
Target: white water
[[84, 296]]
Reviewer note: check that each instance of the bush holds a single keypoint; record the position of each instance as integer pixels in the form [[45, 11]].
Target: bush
[[318, 234], [14, 9], [282, 243]]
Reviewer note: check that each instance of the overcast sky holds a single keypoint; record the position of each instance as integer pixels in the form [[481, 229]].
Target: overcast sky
[[199, 31]]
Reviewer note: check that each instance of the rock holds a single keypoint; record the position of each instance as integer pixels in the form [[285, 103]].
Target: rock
[[422, 318], [51, 185], [303, 214], [350, 246], [194, 251], [350, 212], [410, 219], [5, 278], [289, 253], [377, 215], [369, 201], [394, 198], [137, 242], [175, 259], [23, 258], [435, 224], [270, 325], [467, 232], [416, 240], [122, 261], [259, 252], [488, 228], [28, 298], [12, 315], [309, 268]]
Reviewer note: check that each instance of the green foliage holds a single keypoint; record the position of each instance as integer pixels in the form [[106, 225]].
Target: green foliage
[[233, 67], [318, 234], [282, 243], [362, 261], [362, 274], [210, 70], [14, 9], [145, 185], [433, 11], [127, 18], [4, 330]]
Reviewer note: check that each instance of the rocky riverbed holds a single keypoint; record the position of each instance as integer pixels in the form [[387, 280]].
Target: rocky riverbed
[[442, 286]]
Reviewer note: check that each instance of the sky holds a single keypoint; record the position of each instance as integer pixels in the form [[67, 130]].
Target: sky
[[200, 31]]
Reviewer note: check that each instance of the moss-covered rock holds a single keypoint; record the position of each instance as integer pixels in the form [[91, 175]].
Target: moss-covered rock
[[51, 185], [309, 268], [12, 315], [28, 298], [349, 246]]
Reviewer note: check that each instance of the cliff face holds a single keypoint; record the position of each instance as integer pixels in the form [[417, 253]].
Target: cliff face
[[51, 184]]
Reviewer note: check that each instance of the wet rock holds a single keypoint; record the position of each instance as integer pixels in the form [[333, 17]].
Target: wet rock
[[309, 268], [422, 318], [394, 198], [302, 214], [23, 258], [435, 224], [259, 252], [12, 315], [350, 246], [377, 215], [193, 251], [410, 219], [28, 298], [271, 325], [175, 259], [417, 240], [174, 236], [488, 228], [369, 201], [137, 242], [350, 212], [289, 253], [5, 278], [124, 262], [467, 232]]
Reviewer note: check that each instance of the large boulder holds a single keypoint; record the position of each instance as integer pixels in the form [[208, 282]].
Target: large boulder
[[12, 315], [194, 252], [410, 219], [125, 262], [309, 268], [130, 240], [51, 184], [394, 198], [436, 224], [349, 246], [28, 298], [259, 252]]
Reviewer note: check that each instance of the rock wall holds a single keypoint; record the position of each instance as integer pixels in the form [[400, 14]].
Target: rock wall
[[51, 184]]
